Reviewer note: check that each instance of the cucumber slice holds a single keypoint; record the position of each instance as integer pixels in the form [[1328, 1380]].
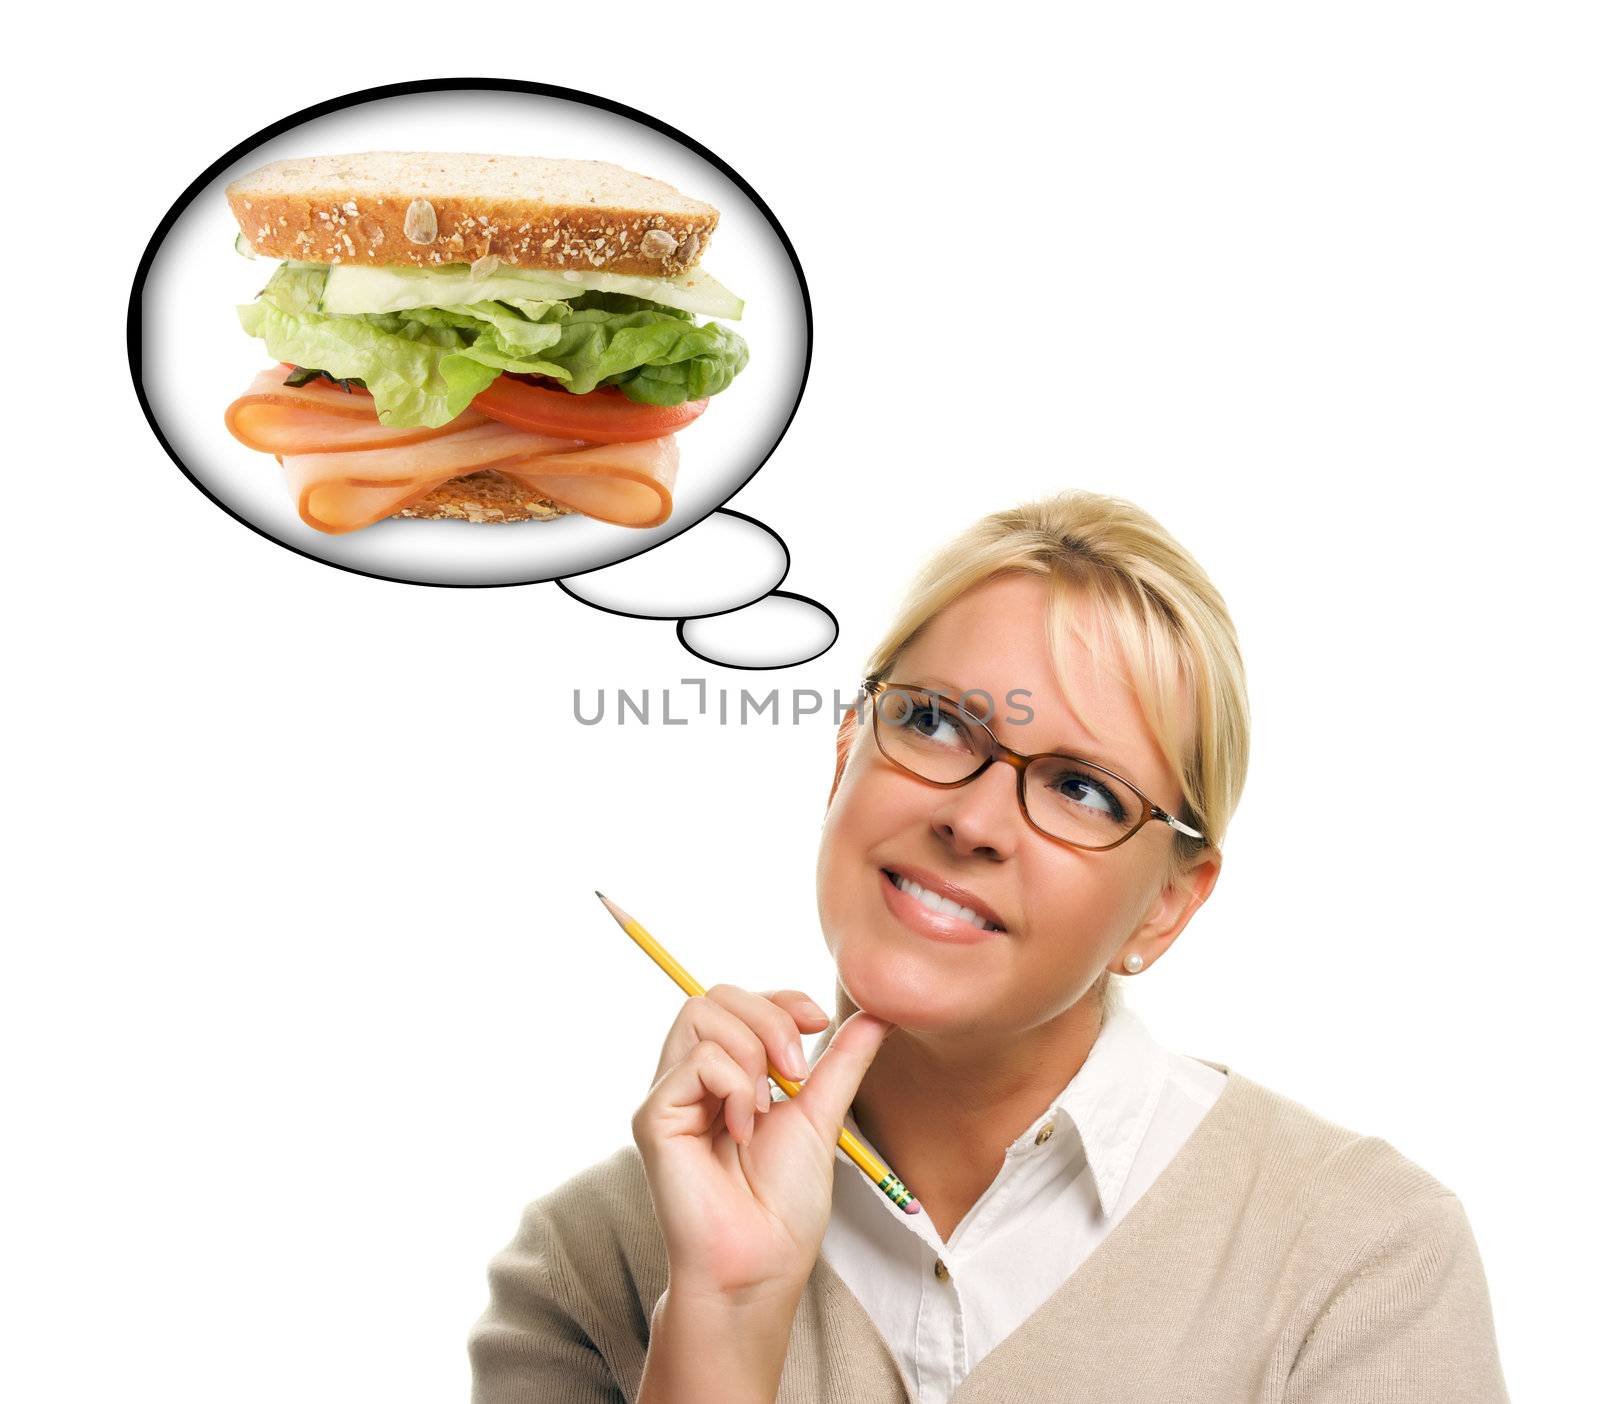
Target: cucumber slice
[[353, 288]]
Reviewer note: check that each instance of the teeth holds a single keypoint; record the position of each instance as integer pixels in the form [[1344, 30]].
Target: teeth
[[943, 905]]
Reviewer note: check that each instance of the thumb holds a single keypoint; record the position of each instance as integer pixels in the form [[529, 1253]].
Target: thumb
[[827, 1093]]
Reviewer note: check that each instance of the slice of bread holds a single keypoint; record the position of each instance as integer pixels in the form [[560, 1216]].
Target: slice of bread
[[434, 207], [484, 496]]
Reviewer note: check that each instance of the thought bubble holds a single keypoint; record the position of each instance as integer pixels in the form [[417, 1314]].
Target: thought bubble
[[191, 360]]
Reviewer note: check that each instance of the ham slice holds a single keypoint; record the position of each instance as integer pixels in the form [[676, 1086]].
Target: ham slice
[[347, 471], [625, 484], [272, 417]]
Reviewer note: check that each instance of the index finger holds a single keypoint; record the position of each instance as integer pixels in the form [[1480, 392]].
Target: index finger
[[772, 1023]]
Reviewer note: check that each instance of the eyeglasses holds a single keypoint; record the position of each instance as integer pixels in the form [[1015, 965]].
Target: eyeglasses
[[1065, 798]]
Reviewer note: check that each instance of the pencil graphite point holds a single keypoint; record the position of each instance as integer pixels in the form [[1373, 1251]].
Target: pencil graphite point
[[618, 915]]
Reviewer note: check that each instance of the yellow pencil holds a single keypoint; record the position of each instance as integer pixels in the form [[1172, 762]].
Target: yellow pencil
[[875, 1169]]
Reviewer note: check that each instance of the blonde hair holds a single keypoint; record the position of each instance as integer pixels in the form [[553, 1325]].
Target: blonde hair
[[1164, 618]]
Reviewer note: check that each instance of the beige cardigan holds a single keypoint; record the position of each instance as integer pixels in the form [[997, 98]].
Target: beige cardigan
[[1279, 1259]]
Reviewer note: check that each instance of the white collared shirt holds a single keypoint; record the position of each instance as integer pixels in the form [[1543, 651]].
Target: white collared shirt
[[1064, 1185]]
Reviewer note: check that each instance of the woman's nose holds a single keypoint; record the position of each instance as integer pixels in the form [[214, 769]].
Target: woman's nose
[[981, 816]]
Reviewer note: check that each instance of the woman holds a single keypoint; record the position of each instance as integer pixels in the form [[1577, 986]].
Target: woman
[[1028, 808]]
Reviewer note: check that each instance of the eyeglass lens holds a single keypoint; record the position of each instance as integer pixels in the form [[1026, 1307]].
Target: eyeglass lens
[[934, 738]]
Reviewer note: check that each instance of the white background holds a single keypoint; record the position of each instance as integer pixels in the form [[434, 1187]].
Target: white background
[[306, 993]]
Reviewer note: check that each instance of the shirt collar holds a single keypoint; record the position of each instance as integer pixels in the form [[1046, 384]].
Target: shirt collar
[[1110, 1102]]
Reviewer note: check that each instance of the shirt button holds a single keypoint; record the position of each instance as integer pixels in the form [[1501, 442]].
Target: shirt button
[[940, 1270], [1045, 1134]]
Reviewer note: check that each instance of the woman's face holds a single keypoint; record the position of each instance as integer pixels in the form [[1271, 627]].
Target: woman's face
[[1065, 914]]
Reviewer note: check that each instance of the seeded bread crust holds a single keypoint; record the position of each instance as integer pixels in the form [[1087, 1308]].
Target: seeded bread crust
[[428, 208], [484, 496]]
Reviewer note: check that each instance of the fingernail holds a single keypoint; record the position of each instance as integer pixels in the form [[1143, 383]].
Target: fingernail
[[764, 1096], [795, 1060], [815, 1010]]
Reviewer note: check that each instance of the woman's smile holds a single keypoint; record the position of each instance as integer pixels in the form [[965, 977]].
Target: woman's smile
[[921, 908]]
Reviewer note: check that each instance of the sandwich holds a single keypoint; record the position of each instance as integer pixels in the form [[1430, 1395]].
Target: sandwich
[[478, 338]]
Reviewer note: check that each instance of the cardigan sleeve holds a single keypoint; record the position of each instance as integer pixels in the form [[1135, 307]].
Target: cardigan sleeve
[[528, 1347], [1411, 1321]]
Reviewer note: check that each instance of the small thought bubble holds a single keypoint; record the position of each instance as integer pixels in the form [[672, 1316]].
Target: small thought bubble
[[778, 631], [724, 562], [720, 581]]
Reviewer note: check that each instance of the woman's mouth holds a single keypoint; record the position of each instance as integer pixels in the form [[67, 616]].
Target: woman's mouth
[[929, 914]]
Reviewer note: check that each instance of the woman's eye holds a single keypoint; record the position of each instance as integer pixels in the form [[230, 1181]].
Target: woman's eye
[[932, 725], [927, 721], [1090, 794]]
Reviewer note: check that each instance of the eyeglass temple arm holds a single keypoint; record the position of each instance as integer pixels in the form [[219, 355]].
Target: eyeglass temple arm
[[1177, 824]]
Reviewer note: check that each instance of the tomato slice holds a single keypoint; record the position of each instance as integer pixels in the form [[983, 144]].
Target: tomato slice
[[605, 416]]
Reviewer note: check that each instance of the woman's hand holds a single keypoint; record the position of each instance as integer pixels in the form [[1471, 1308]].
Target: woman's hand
[[743, 1187]]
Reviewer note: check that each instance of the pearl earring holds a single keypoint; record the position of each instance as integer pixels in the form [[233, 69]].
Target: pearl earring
[[1134, 963]]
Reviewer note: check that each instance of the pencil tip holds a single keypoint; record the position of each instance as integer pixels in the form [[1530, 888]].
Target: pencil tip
[[617, 914]]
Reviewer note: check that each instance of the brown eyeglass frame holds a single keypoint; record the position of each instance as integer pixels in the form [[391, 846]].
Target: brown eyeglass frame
[[998, 750]]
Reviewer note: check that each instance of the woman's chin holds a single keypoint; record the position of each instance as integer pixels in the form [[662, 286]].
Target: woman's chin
[[898, 987]]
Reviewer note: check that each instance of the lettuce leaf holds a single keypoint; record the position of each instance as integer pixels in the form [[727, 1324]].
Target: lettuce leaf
[[424, 365], [655, 355]]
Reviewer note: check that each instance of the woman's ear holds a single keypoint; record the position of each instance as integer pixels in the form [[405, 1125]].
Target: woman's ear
[[846, 737]]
